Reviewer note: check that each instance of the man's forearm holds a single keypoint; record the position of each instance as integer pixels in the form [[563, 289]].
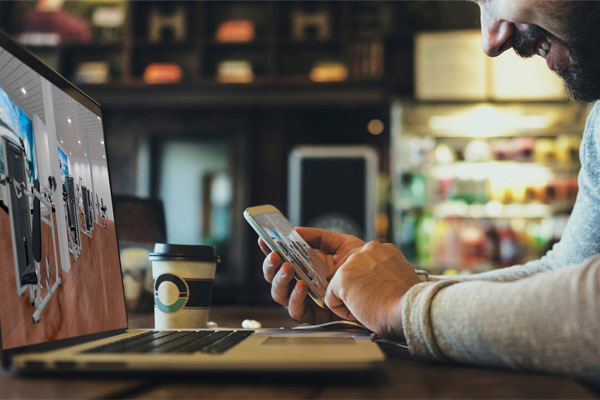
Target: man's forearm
[[498, 275], [547, 322]]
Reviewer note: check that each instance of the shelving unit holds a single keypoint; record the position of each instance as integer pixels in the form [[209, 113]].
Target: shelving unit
[[477, 186], [278, 110], [275, 54]]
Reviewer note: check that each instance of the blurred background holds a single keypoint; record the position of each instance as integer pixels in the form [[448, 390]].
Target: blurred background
[[383, 119]]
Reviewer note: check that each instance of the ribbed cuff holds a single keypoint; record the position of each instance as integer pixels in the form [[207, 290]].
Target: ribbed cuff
[[416, 320]]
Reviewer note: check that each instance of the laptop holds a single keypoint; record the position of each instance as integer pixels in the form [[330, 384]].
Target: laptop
[[62, 305]]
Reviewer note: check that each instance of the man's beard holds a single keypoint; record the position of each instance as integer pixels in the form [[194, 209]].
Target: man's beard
[[582, 77]]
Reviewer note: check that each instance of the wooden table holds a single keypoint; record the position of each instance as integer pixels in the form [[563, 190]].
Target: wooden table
[[401, 377]]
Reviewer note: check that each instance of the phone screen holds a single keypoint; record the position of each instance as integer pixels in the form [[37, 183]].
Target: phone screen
[[292, 247]]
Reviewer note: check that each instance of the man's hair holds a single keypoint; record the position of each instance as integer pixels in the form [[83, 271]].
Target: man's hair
[[583, 22], [581, 16]]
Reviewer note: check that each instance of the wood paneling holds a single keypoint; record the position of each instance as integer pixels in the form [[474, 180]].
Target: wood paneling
[[89, 300]]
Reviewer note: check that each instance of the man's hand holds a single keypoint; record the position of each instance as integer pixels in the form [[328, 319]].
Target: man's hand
[[335, 249], [369, 287]]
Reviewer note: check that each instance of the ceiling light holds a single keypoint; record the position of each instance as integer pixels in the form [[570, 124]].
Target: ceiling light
[[23, 90], [486, 121], [69, 120], [375, 127], [79, 141], [85, 154], [103, 156], [62, 141], [102, 142]]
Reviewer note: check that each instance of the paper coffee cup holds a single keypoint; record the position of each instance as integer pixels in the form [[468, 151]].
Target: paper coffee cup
[[183, 277]]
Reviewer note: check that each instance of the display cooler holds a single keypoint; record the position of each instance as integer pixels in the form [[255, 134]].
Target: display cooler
[[479, 186]]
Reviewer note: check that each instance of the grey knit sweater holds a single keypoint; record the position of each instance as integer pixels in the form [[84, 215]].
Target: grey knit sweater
[[542, 316]]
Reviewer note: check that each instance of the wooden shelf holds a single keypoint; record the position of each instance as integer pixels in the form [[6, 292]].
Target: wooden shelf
[[277, 58], [209, 93], [254, 44], [87, 47], [163, 46], [311, 43]]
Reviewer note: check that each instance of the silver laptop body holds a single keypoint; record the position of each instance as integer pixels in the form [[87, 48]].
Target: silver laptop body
[[61, 292]]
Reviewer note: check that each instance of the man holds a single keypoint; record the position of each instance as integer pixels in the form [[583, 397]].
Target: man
[[544, 315]]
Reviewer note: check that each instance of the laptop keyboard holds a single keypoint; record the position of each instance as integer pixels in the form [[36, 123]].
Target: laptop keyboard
[[212, 342]]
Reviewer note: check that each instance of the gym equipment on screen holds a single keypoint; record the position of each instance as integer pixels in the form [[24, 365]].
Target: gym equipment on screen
[[54, 186]]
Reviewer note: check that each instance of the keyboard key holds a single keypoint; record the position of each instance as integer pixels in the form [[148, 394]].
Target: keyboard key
[[227, 342], [157, 344], [201, 343], [179, 342], [212, 342], [123, 344]]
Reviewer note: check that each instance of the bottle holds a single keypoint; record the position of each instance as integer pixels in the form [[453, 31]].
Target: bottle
[[491, 252], [508, 249], [406, 236], [472, 240], [438, 243], [452, 243], [423, 235], [417, 189]]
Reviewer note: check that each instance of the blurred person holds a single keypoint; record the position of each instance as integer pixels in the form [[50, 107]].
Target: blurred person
[[541, 316]]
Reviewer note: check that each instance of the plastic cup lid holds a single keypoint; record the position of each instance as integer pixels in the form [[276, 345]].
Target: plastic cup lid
[[183, 252]]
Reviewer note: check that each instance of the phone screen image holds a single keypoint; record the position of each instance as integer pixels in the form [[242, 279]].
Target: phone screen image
[[293, 248]]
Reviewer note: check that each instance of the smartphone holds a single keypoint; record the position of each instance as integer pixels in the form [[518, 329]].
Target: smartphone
[[279, 234]]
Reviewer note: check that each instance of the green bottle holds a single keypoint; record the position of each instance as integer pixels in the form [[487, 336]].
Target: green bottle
[[423, 235]]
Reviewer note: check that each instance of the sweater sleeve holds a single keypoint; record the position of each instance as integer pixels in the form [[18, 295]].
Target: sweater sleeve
[[547, 322], [581, 237]]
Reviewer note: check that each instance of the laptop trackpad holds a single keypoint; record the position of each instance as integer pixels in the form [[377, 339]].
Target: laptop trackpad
[[307, 340]]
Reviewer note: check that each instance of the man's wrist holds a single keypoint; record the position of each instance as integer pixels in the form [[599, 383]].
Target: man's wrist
[[422, 275], [395, 329]]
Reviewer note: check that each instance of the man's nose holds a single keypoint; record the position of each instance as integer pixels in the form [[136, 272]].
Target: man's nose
[[496, 36]]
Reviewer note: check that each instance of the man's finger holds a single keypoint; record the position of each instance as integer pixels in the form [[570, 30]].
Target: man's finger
[[322, 239], [280, 287], [271, 264], [263, 246], [297, 308], [335, 304]]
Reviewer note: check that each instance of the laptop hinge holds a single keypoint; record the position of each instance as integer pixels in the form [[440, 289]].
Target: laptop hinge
[[7, 355]]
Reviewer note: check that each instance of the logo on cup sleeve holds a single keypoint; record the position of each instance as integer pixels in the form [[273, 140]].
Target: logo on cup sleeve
[[172, 293]]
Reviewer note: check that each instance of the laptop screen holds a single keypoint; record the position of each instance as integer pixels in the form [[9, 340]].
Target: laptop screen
[[60, 274]]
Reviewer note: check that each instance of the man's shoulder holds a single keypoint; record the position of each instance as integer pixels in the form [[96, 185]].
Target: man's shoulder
[[590, 147], [593, 123], [595, 108], [594, 115]]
